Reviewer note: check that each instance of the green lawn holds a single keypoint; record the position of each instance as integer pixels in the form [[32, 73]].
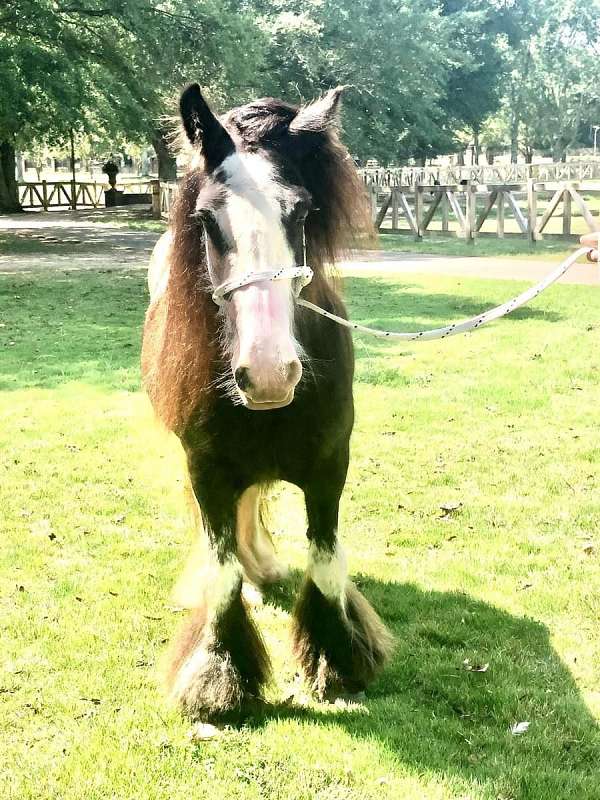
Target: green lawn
[[499, 428], [553, 249]]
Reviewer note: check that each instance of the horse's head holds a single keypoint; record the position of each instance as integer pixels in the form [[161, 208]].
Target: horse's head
[[253, 204]]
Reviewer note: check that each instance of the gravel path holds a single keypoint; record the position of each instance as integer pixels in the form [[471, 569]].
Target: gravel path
[[100, 239]]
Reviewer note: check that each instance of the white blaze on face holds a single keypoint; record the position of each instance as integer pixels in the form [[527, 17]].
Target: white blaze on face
[[265, 361]]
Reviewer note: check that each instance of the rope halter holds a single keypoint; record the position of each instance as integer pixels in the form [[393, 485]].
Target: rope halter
[[300, 276]]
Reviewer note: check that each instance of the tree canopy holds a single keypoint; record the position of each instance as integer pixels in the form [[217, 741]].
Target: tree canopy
[[426, 75]]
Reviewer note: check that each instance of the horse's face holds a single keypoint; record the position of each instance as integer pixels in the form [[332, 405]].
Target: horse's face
[[253, 222]]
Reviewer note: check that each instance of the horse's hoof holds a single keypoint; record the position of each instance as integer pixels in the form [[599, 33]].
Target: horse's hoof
[[202, 731]]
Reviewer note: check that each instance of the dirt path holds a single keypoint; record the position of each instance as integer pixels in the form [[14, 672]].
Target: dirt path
[[100, 239], [524, 269]]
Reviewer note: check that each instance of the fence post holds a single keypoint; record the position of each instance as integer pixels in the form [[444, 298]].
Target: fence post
[[419, 210], [155, 183], [373, 200], [500, 214], [471, 212], [566, 228], [531, 212], [45, 195], [394, 208], [444, 208]]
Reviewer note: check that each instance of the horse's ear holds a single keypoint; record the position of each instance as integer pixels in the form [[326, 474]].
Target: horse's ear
[[320, 115], [202, 127]]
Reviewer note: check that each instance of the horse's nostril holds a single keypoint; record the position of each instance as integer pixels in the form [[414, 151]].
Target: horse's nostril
[[242, 378]]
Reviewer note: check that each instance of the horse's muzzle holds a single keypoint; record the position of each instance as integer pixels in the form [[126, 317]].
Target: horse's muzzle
[[264, 392]]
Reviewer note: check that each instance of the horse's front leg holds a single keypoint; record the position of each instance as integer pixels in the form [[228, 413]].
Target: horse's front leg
[[218, 658], [338, 637]]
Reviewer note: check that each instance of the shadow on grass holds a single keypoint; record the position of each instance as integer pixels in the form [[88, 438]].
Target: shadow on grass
[[86, 326], [386, 304], [438, 716]]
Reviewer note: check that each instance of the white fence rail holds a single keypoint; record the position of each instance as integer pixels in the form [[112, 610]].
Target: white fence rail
[[485, 174]]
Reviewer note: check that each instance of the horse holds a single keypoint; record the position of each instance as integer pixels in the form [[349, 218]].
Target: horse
[[259, 389]]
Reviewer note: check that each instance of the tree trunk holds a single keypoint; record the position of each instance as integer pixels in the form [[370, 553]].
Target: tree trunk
[[559, 151], [514, 139], [9, 191], [515, 124], [167, 166], [476, 147]]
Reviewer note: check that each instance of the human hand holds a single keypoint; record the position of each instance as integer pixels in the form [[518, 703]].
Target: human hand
[[591, 240]]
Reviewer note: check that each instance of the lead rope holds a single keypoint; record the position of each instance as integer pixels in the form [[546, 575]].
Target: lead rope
[[457, 327]]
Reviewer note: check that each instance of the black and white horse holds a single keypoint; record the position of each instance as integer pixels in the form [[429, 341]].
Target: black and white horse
[[259, 389]]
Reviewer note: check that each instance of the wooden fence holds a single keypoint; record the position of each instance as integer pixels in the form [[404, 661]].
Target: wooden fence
[[531, 210], [162, 207], [61, 194], [485, 174], [73, 194]]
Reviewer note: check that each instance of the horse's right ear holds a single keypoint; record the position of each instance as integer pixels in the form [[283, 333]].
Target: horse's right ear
[[203, 128]]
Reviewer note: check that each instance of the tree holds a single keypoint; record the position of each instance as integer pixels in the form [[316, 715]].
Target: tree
[[561, 87], [57, 59], [551, 89], [111, 66]]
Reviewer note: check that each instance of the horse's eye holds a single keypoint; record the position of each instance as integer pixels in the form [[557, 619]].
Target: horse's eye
[[203, 215], [300, 210]]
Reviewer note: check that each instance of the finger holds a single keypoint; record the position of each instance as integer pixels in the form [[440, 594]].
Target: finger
[[591, 239]]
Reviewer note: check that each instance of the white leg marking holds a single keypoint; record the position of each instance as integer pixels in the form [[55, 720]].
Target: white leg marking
[[224, 582], [328, 570]]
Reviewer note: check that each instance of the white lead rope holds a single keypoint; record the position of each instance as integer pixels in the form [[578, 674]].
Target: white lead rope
[[458, 327], [302, 275]]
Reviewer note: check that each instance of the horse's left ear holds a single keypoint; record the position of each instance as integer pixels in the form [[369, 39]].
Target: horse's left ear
[[202, 127], [320, 115]]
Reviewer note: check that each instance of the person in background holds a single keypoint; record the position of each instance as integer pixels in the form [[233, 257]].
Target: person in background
[[592, 240]]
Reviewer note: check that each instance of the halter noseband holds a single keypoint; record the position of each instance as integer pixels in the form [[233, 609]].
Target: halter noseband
[[300, 275]]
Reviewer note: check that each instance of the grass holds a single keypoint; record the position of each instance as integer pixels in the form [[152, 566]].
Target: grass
[[500, 426], [484, 246]]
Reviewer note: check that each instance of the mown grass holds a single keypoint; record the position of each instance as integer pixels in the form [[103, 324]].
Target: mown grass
[[483, 246], [500, 426]]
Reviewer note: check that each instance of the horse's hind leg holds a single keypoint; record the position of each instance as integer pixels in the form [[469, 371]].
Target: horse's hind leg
[[338, 637], [255, 544], [218, 659]]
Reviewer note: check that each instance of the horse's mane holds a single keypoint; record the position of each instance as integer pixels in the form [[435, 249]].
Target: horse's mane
[[181, 358]]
